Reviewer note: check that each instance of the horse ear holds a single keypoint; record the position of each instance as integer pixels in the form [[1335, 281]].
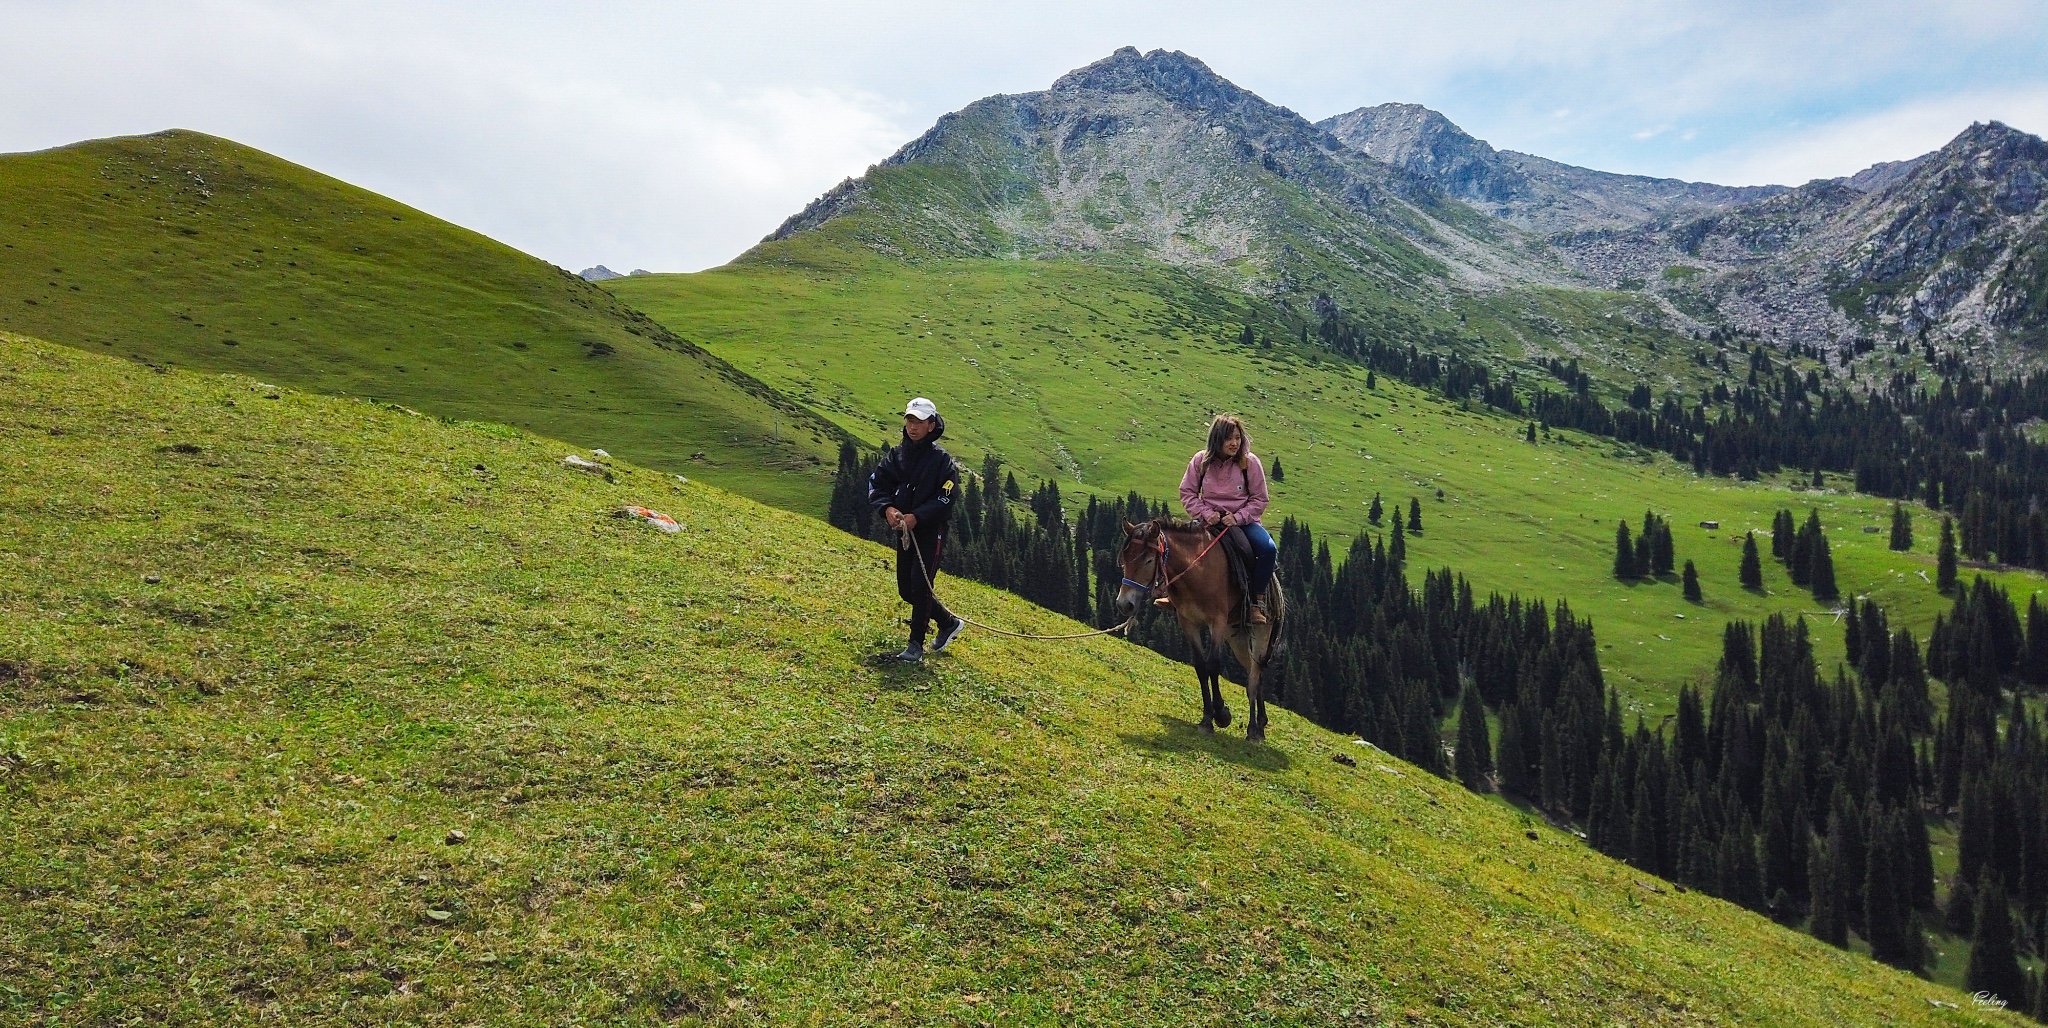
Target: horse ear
[[1130, 529]]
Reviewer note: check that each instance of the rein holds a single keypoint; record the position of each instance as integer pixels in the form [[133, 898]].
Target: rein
[[931, 580], [1161, 581]]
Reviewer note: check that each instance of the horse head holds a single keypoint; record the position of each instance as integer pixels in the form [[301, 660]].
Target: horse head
[[1144, 565]]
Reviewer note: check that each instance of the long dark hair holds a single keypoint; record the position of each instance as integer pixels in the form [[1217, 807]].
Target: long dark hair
[[1220, 429]]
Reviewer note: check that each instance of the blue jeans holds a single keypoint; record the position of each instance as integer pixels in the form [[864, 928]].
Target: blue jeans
[[1265, 554]]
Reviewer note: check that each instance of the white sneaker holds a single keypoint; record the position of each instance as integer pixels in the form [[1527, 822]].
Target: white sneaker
[[948, 634]]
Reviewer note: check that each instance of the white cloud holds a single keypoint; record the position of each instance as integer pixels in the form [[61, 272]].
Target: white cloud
[[673, 135], [1846, 146]]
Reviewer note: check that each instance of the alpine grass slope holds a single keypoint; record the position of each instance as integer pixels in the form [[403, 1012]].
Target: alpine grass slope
[[319, 711], [184, 249]]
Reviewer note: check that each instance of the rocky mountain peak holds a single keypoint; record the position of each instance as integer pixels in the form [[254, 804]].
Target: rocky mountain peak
[[1423, 142], [1407, 136], [2011, 165], [1529, 191], [1171, 75]]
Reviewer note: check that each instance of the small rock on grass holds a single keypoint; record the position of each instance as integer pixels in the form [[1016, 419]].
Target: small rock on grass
[[457, 837]]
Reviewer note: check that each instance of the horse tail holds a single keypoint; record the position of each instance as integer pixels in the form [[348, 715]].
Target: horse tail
[[1276, 610]]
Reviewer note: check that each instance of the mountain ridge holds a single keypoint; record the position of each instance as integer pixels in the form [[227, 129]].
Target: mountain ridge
[[1153, 156], [1536, 193]]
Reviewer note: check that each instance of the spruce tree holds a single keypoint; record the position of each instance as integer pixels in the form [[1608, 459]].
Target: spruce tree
[[1475, 749], [1376, 513], [2034, 666], [1414, 516], [1799, 559], [1852, 634], [1279, 473], [1662, 552], [1962, 908], [1511, 758], [1010, 487], [1624, 552], [1945, 558], [1902, 528], [1890, 923], [1993, 966], [1782, 531], [1739, 880], [1372, 380], [1752, 573], [1820, 573], [849, 500], [1530, 435], [1397, 551], [1827, 923], [1643, 837], [1692, 583], [1846, 845], [1778, 831]]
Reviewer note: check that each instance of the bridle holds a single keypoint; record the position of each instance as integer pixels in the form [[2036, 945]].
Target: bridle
[[1160, 556], [1161, 581]]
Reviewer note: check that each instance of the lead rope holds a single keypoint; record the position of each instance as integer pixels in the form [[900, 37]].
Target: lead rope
[[930, 579]]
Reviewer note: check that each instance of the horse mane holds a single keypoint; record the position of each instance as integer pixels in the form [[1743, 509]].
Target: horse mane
[[1176, 524]]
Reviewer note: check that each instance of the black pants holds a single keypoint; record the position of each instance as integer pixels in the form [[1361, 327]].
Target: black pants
[[915, 587]]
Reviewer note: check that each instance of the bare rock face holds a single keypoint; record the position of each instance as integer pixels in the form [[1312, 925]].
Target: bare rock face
[[1528, 191], [598, 274], [1948, 247]]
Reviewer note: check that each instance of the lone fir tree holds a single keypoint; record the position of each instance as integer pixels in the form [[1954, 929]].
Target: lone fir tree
[[1691, 583], [1279, 473], [1376, 513], [1414, 516], [1752, 573]]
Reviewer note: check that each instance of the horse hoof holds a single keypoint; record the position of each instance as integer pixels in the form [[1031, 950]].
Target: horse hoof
[[1255, 735], [1208, 727], [1223, 717]]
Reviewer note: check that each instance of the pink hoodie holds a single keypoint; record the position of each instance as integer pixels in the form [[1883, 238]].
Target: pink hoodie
[[1226, 489]]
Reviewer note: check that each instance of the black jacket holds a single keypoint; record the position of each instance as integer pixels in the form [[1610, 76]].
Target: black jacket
[[917, 478]]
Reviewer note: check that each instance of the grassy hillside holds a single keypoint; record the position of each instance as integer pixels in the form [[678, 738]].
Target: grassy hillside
[[183, 249], [263, 653], [1104, 377]]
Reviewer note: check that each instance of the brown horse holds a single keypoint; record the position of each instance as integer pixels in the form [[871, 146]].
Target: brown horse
[[1174, 560]]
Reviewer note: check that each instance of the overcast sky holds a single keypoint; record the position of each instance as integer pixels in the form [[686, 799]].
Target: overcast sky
[[671, 136]]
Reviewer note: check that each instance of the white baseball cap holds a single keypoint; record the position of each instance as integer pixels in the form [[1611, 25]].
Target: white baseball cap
[[922, 409]]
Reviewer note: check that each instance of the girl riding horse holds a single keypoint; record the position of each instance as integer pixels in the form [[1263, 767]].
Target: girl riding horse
[[1225, 485]]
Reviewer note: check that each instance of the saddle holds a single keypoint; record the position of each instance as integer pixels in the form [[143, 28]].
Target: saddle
[[1237, 552]]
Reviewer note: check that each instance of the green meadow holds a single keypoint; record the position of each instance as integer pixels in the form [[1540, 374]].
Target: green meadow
[[315, 710], [1103, 376], [185, 250]]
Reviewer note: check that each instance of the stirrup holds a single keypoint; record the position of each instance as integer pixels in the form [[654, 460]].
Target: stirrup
[[1259, 614]]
